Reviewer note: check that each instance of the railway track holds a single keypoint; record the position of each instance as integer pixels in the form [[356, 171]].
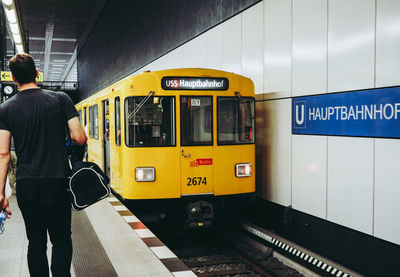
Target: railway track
[[221, 252]]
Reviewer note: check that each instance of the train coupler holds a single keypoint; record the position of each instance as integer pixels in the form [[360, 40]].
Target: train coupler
[[199, 214]]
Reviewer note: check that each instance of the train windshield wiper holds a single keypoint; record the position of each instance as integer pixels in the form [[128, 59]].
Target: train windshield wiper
[[139, 106]]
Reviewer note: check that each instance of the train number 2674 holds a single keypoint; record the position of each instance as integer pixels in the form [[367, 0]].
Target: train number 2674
[[196, 181]]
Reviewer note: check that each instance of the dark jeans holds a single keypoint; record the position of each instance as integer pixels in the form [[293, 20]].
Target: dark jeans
[[45, 207]]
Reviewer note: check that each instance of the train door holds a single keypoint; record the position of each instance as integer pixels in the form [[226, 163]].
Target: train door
[[196, 145], [106, 137]]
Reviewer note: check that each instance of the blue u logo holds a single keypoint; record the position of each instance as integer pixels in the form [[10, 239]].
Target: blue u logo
[[299, 114]]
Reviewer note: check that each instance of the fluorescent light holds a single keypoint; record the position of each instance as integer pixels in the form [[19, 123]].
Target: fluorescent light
[[7, 2], [14, 28], [13, 23], [12, 18], [17, 39], [57, 64], [60, 61], [19, 47]]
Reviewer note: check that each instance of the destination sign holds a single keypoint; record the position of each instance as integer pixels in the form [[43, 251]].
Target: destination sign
[[194, 83], [364, 113]]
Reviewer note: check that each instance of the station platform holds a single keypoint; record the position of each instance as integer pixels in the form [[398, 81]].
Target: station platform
[[108, 240]]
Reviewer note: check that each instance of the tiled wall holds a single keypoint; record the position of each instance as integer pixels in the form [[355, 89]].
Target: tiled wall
[[303, 47]]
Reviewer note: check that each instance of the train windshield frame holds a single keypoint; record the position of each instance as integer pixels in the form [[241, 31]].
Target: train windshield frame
[[153, 124], [235, 120]]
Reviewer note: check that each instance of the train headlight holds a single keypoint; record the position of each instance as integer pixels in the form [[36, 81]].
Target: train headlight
[[145, 174], [243, 170]]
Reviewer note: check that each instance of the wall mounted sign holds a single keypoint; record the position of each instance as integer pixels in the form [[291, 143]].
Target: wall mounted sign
[[364, 113], [5, 76], [194, 83]]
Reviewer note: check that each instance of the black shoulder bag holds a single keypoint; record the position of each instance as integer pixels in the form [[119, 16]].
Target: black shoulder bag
[[87, 183]]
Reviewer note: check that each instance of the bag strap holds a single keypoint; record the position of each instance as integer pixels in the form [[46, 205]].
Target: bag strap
[[63, 120], [66, 129]]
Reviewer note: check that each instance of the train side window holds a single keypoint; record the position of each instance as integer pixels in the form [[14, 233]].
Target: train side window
[[85, 116], [93, 122], [90, 122], [235, 120], [80, 116], [117, 121], [196, 120], [96, 121], [150, 123]]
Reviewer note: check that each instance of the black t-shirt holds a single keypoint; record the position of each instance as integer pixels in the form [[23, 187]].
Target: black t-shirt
[[36, 119]]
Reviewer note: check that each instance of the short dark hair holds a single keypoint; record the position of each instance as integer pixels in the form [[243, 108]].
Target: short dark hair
[[23, 68]]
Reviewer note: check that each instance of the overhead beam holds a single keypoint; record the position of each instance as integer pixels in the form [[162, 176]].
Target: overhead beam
[[47, 48], [55, 39], [54, 53]]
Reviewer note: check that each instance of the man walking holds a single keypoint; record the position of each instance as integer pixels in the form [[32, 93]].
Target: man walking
[[36, 119]]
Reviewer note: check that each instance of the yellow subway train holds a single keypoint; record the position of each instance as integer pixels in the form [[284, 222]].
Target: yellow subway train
[[173, 137]]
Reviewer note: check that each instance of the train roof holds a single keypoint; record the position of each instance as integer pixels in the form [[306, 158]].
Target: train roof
[[178, 72]]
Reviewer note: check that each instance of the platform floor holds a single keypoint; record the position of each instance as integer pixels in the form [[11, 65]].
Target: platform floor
[[108, 240]]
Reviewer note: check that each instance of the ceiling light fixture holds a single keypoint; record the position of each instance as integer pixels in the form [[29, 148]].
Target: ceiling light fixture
[[20, 48], [12, 18], [7, 2], [17, 39], [14, 28], [13, 23]]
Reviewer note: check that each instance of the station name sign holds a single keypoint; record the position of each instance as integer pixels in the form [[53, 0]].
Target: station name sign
[[365, 113], [194, 83]]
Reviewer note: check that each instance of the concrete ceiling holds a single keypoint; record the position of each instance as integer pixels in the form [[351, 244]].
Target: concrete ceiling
[[54, 29]]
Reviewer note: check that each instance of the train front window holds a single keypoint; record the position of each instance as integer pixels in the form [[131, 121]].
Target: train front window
[[196, 120], [235, 120], [151, 124]]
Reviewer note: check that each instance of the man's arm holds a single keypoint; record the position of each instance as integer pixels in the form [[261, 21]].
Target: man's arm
[[5, 139], [76, 131]]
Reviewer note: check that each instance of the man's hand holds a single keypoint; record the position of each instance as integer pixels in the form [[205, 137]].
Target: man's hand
[[5, 138], [4, 205]]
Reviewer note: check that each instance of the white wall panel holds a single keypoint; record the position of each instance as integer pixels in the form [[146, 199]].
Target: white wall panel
[[351, 40], [309, 174], [261, 141], [176, 58], [388, 43], [278, 145], [309, 51], [387, 190], [158, 64], [277, 48], [253, 45], [232, 45], [189, 57], [350, 182], [215, 57], [201, 50]]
